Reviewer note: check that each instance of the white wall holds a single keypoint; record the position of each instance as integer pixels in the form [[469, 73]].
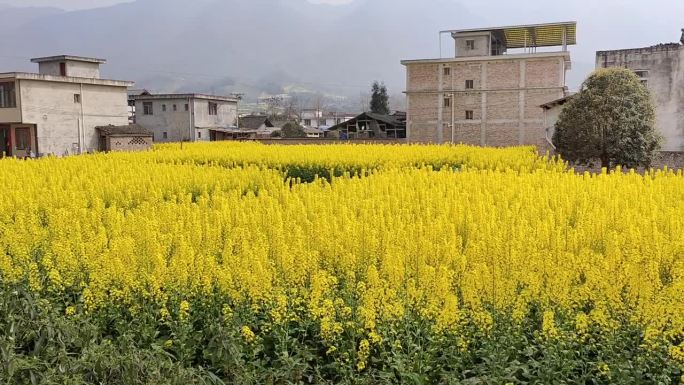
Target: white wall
[[62, 124]]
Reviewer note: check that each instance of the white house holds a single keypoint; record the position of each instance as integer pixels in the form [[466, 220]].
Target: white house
[[186, 117], [316, 118], [56, 110]]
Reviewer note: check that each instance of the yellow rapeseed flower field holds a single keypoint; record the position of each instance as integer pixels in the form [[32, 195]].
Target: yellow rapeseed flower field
[[462, 244]]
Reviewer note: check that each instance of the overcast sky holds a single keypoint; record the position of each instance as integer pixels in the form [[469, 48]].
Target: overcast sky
[[82, 4]]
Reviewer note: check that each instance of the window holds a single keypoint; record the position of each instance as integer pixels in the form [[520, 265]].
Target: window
[[470, 44], [22, 136], [147, 108], [447, 102], [62, 69], [199, 135], [7, 95], [187, 107], [175, 108], [469, 115], [77, 98], [213, 108], [447, 71], [307, 122], [163, 107], [165, 135], [470, 84], [643, 76]]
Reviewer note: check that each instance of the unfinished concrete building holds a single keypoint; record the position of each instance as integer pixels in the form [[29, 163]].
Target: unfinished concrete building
[[661, 68], [490, 93]]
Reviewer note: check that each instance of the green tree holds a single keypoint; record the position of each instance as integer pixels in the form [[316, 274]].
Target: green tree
[[379, 99], [611, 119], [292, 130]]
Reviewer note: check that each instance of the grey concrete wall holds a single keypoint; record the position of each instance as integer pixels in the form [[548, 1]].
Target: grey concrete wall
[[62, 124], [227, 113], [176, 124], [482, 41], [665, 66]]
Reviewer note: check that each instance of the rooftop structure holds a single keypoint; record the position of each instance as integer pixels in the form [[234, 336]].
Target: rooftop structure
[[498, 40]]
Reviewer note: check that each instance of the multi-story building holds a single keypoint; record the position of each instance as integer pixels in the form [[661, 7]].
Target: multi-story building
[[490, 93], [186, 117], [661, 68], [56, 111]]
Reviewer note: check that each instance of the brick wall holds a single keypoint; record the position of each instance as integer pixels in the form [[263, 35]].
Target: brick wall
[[505, 100]]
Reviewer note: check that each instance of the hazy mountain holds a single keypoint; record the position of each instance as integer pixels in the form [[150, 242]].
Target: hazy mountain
[[250, 46]]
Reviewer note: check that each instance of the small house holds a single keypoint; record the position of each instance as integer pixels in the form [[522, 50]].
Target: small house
[[130, 137]]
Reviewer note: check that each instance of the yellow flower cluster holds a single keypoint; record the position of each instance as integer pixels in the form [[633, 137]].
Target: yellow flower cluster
[[508, 231]]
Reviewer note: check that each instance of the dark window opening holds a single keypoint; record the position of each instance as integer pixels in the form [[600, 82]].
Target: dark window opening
[[147, 108], [163, 107], [175, 108], [469, 84], [469, 115], [77, 98], [62, 69], [447, 71], [447, 102], [7, 95], [470, 44], [187, 107], [23, 138], [213, 108], [165, 135]]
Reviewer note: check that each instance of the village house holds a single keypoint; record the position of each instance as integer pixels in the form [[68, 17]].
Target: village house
[[317, 118], [129, 137], [186, 117], [56, 111], [369, 125], [490, 93], [661, 69], [261, 125]]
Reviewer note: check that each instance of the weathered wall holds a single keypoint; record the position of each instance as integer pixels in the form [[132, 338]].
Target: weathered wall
[[62, 124], [176, 124], [226, 116], [128, 143], [665, 66], [481, 44], [505, 100]]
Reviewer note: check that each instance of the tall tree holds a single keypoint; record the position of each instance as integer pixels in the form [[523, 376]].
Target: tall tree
[[379, 103], [611, 119]]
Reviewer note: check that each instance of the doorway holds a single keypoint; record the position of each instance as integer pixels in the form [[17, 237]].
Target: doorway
[[4, 141]]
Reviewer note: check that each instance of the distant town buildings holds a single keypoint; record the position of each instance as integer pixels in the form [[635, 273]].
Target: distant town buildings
[[56, 111], [661, 68], [490, 93], [187, 117]]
